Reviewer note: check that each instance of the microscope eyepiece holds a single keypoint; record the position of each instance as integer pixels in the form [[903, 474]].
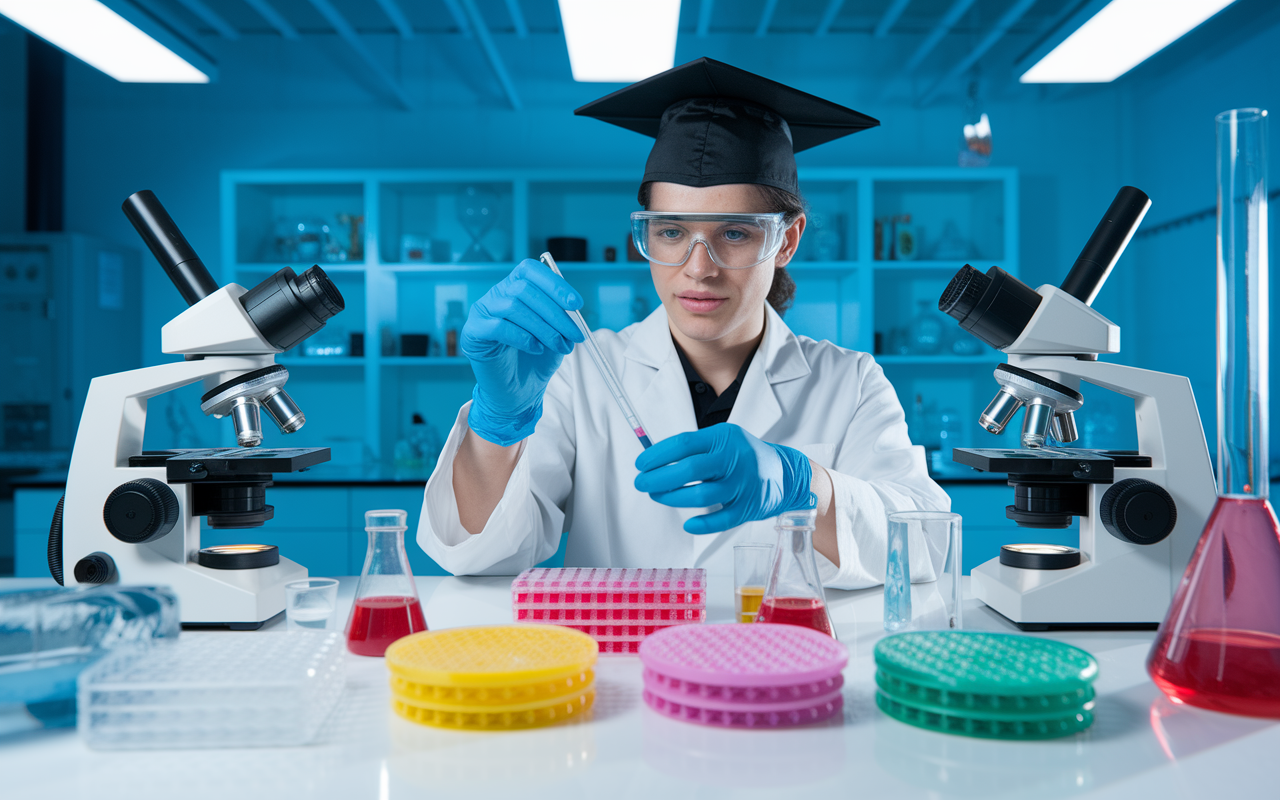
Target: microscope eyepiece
[[994, 307], [169, 246], [1104, 247], [287, 308]]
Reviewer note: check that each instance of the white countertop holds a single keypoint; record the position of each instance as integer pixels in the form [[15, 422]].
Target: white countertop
[[1140, 745]]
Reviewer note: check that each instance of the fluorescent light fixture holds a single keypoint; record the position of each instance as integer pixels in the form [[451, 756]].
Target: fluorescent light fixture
[[620, 41], [1120, 37], [102, 38]]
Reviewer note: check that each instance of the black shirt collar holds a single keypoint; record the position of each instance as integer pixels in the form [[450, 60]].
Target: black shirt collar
[[708, 407]]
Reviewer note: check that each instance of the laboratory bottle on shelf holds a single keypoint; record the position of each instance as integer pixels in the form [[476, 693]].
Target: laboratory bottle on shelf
[[386, 606], [1219, 645], [793, 594]]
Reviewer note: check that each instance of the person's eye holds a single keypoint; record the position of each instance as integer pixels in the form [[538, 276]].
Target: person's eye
[[737, 235], [670, 233]]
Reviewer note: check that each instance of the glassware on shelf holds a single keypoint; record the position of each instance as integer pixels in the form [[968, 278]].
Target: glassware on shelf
[[975, 144], [455, 317], [1219, 645], [328, 343], [309, 240], [793, 594], [477, 213], [951, 246], [926, 331], [386, 606], [823, 240]]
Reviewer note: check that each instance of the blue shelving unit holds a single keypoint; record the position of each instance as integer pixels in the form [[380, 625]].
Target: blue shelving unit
[[400, 251]]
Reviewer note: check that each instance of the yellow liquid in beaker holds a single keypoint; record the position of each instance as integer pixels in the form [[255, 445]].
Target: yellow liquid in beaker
[[749, 599]]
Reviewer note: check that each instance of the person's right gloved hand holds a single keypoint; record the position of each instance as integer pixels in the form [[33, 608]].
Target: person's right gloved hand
[[515, 337]]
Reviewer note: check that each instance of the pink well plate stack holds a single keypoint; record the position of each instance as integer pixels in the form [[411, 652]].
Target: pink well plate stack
[[744, 676], [616, 607]]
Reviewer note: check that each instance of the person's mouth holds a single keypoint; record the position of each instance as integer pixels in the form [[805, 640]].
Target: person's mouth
[[699, 302]]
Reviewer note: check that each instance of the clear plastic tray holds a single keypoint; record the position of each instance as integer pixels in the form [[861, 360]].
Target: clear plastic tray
[[211, 690]]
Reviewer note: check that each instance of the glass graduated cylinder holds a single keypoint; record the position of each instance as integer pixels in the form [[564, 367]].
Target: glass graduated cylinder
[[1219, 645], [793, 594], [386, 607]]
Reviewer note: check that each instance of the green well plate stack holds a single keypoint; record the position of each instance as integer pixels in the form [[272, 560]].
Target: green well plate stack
[[988, 685]]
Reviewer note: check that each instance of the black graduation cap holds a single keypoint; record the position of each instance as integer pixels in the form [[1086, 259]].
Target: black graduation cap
[[717, 124]]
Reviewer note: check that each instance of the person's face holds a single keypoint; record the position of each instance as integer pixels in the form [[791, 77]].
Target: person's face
[[705, 302]]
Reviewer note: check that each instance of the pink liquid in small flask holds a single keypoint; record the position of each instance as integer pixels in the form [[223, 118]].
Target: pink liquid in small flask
[[1219, 645], [793, 594], [386, 606]]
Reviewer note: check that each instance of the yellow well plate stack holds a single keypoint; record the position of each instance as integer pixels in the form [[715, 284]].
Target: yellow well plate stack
[[502, 677]]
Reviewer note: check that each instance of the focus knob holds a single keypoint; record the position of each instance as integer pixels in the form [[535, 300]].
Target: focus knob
[[140, 511], [1138, 511], [95, 568]]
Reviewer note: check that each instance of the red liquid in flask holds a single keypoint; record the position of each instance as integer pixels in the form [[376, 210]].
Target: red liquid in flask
[[807, 612], [1219, 646], [376, 622]]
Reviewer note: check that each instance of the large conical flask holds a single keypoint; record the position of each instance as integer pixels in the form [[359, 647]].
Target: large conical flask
[[1219, 645], [386, 606], [793, 594]]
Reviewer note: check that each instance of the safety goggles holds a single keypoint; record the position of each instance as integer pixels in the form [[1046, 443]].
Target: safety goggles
[[734, 241]]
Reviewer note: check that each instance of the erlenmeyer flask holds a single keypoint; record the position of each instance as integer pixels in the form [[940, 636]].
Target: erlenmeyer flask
[[386, 606], [793, 594], [1219, 645]]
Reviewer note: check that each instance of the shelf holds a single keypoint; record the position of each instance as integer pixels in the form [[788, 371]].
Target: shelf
[[951, 266], [426, 361], [843, 295], [321, 361], [301, 266], [941, 358], [497, 267]]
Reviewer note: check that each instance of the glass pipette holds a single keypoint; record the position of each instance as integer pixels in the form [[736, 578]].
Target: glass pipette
[[606, 372]]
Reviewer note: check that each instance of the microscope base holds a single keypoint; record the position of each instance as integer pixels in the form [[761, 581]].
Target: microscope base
[[1041, 627], [229, 626], [1129, 591]]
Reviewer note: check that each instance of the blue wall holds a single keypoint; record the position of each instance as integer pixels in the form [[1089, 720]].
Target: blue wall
[[298, 106]]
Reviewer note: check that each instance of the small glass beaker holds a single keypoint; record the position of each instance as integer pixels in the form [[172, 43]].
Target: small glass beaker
[[935, 603], [386, 606], [309, 604], [793, 594], [751, 564]]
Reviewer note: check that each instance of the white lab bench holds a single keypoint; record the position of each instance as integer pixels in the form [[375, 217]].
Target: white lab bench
[[1140, 745]]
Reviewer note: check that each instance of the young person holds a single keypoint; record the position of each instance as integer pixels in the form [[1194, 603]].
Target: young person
[[748, 419]]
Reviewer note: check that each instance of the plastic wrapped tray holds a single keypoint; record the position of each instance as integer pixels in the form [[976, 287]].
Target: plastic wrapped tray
[[778, 715], [491, 718], [212, 690], [759, 654], [956, 722], [609, 587]]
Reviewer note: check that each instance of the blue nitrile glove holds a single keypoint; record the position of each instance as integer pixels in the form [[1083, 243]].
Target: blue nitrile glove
[[751, 479], [515, 337]]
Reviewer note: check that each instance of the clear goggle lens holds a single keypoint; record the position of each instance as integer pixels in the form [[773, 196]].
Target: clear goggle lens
[[734, 241]]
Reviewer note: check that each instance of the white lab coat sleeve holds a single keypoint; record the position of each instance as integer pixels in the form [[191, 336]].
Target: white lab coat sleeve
[[525, 527], [878, 471]]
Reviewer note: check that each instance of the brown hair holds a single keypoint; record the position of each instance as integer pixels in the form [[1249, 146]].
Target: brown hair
[[783, 290]]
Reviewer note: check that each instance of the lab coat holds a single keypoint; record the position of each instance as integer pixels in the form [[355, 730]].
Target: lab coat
[[577, 469]]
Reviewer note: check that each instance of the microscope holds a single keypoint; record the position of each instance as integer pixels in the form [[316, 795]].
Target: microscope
[[134, 517], [1141, 512]]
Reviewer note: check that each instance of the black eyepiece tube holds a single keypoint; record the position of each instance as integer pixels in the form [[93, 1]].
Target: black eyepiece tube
[[169, 246], [1104, 247]]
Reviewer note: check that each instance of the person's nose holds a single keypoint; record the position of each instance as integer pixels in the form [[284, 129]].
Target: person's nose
[[699, 265]]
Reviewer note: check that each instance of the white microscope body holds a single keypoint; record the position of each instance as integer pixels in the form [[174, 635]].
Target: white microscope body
[[134, 516], [1139, 525]]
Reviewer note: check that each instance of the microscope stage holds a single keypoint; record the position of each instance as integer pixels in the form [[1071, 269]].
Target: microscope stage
[[1058, 463]]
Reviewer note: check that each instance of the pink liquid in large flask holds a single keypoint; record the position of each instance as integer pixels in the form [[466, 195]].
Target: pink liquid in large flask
[[1219, 645]]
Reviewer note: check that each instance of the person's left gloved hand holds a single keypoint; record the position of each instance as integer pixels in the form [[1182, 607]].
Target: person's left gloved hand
[[751, 479]]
